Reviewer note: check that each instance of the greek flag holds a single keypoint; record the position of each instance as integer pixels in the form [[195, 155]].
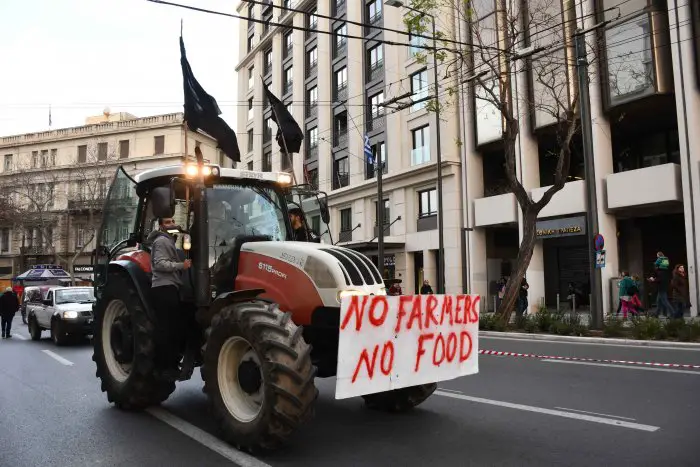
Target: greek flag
[[368, 151]]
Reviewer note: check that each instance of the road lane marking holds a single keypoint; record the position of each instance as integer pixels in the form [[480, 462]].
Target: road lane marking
[[609, 365], [58, 358], [595, 413], [557, 413], [501, 353], [206, 439], [451, 390], [637, 345], [20, 336]]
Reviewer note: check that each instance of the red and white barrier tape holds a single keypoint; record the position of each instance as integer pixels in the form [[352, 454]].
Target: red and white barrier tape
[[579, 359]]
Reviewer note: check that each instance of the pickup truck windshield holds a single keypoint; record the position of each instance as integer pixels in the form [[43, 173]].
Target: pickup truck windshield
[[75, 296]]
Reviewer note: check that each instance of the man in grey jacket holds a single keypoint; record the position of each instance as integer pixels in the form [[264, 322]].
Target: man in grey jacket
[[165, 289]]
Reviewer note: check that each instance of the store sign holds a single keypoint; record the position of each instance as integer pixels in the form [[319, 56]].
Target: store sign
[[566, 227], [390, 260], [89, 269]]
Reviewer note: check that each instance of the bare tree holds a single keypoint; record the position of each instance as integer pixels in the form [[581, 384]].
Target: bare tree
[[499, 31], [57, 208]]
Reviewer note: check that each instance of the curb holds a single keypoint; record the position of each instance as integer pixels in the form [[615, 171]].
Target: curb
[[589, 340]]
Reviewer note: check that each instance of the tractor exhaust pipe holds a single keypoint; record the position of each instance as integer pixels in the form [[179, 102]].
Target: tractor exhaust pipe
[[201, 258]]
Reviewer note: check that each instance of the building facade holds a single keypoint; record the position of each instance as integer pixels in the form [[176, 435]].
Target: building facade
[[645, 105], [54, 183], [334, 87]]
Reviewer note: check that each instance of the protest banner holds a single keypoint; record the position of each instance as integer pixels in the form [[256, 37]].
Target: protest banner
[[392, 342]]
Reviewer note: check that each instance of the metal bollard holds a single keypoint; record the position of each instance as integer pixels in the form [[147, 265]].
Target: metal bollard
[[573, 303], [495, 303], [558, 304]]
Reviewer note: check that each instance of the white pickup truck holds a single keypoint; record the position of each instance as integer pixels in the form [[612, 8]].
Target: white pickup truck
[[65, 311]]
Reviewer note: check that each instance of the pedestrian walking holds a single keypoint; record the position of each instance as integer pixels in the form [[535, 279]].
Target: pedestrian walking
[[522, 297], [680, 295], [426, 289], [8, 307], [662, 280]]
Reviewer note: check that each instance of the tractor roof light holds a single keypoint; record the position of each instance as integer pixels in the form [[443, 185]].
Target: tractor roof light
[[284, 178], [192, 170]]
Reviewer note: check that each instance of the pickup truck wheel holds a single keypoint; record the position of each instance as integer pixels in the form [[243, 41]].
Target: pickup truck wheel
[[124, 348], [34, 329], [400, 400], [58, 336]]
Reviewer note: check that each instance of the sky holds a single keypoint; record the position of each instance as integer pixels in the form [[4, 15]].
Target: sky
[[80, 56]]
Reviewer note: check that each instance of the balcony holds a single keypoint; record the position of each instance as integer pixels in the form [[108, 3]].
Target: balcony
[[341, 180], [495, 210], [340, 49], [648, 186], [86, 204], [36, 250], [312, 110], [376, 71], [425, 223], [374, 20], [312, 152], [340, 138], [345, 236], [570, 200], [420, 155], [312, 69], [287, 89], [341, 93], [375, 122]]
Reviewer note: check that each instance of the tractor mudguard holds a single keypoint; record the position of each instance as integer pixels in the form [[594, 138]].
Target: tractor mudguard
[[204, 316], [139, 278]]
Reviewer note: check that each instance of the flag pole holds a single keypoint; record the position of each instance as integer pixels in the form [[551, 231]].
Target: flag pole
[[284, 146]]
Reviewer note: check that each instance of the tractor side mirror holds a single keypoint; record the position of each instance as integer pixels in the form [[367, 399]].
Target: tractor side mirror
[[163, 201], [325, 213]]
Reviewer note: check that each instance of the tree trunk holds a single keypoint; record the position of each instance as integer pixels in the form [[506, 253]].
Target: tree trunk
[[527, 246]]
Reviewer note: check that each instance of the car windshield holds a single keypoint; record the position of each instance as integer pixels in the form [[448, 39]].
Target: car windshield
[[240, 209], [74, 296]]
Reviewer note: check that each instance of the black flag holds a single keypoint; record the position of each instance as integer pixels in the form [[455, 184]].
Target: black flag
[[202, 111], [288, 130]]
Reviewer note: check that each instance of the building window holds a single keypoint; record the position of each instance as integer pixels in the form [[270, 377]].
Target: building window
[[312, 178], [340, 129], [378, 151], [374, 11], [267, 162], [124, 149], [7, 163], [341, 84], [250, 165], [250, 140], [313, 19], [417, 43], [311, 102], [312, 146], [251, 112], [102, 151], [251, 14], [251, 42], [35, 159], [268, 62], [251, 77], [159, 143], [341, 173], [52, 158], [340, 40], [386, 213], [376, 112], [421, 145], [5, 240], [288, 44], [338, 7], [316, 224], [312, 59], [346, 220], [375, 59], [267, 130], [45, 158], [82, 154], [427, 203], [266, 17], [419, 89], [288, 82]]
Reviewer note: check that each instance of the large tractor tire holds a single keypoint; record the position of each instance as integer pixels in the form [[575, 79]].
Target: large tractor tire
[[400, 400], [258, 375], [124, 349]]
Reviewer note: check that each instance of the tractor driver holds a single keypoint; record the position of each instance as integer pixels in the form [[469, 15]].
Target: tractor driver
[[296, 217], [165, 289]]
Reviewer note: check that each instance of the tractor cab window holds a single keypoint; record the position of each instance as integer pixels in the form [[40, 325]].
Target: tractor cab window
[[242, 209]]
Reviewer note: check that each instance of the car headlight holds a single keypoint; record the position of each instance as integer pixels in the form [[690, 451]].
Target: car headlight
[[349, 293], [70, 314]]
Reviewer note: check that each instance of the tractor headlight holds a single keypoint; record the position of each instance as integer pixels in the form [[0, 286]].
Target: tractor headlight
[[70, 314], [349, 293], [191, 170]]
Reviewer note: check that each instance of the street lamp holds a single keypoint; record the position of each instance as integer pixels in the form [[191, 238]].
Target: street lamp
[[441, 239]]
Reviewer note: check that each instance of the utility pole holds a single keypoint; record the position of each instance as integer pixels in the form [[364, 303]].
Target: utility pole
[[379, 167], [592, 211], [441, 224]]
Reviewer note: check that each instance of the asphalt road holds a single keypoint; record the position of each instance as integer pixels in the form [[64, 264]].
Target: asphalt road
[[516, 411]]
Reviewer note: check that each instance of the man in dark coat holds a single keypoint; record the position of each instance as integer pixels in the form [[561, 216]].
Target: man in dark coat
[[8, 307]]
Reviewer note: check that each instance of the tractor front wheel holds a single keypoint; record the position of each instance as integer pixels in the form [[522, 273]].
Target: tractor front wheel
[[258, 375], [400, 400]]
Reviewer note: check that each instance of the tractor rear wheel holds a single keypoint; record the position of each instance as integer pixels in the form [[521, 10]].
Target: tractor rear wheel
[[400, 400], [258, 375], [124, 349]]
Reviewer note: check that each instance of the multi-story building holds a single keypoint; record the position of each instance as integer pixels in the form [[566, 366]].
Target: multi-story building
[[54, 183], [645, 105], [334, 87]]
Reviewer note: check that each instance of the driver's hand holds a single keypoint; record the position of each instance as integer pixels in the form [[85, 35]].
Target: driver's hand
[[187, 264]]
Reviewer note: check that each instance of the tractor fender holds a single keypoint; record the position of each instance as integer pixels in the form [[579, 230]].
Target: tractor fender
[[141, 281], [204, 316]]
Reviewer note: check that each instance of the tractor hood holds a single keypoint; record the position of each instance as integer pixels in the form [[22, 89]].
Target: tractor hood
[[335, 269]]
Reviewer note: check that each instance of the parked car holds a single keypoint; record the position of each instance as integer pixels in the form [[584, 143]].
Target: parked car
[[65, 311]]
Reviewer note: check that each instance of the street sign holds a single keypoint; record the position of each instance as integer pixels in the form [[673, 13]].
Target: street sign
[[598, 242], [600, 259]]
